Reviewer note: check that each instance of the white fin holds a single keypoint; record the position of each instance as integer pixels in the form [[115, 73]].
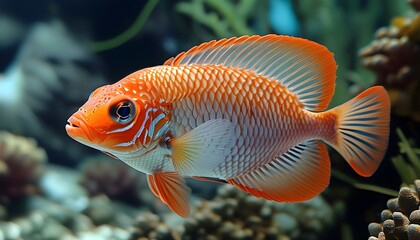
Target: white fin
[[306, 68], [198, 152]]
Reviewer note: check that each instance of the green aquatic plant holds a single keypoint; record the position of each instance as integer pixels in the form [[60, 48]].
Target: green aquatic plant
[[363, 186], [224, 18], [130, 32], [408, 162]]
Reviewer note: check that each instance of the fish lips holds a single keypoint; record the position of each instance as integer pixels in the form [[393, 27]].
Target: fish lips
[[76, 128]]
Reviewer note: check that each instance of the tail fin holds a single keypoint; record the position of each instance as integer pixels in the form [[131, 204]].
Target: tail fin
[[362, 127]]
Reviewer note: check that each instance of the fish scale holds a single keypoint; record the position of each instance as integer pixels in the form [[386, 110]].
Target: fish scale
[[248, 111], [254, 145]]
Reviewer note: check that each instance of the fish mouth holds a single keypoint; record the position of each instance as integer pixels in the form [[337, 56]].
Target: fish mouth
[[77, 129]]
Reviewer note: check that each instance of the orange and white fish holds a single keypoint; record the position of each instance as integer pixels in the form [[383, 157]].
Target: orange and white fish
[[246, 111]]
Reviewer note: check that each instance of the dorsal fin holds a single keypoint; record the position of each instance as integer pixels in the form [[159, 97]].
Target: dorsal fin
[[306, 68]]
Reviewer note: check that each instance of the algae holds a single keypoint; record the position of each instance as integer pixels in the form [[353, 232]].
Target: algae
[[407, 163]]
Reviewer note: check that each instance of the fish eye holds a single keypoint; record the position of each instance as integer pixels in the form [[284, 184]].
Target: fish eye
[[122, 112]]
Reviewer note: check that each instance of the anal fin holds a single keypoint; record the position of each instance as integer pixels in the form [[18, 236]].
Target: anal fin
[[170, 187], [298, 175]]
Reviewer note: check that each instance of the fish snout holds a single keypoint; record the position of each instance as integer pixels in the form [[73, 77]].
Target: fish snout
[[72, 122], [77, 129]]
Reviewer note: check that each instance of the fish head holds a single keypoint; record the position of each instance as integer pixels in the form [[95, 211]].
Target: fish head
[[118, 119]]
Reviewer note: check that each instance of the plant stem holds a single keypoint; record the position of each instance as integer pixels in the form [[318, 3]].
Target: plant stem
[[130, 32]]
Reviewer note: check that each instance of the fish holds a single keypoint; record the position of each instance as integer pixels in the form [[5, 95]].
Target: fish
[[248, 111]]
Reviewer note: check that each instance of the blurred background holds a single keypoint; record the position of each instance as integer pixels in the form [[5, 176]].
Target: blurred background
[[53, 54]]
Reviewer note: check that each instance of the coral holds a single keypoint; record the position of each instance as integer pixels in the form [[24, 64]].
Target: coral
[[49, 216], [102, 175], [394, 56], [402, 218], [150, 226], [234, 214], [224, 18], [415, 4], [21, 165], [53, 221]]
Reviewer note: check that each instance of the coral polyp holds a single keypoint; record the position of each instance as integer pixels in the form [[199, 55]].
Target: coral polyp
[[402, 218], [21, 165]]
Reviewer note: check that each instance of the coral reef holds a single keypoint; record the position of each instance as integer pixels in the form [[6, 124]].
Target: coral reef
[[394, 57], [150, 226], [64, 211], [118, 181], [48, 220], [402, 218], [236, 215], [21, 165], [233, 214]]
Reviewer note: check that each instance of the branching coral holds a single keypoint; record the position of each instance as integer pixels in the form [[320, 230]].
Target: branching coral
[[402, 218], [394, 56], [113, 178], [21, 165]]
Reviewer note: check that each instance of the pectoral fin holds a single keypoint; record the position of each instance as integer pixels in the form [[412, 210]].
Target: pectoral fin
[[170, 187], [198, 152]]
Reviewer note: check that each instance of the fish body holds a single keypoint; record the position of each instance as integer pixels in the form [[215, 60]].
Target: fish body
[[248, 111]]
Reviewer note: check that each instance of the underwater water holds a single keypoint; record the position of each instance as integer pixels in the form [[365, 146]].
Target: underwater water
[[54, 54]]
